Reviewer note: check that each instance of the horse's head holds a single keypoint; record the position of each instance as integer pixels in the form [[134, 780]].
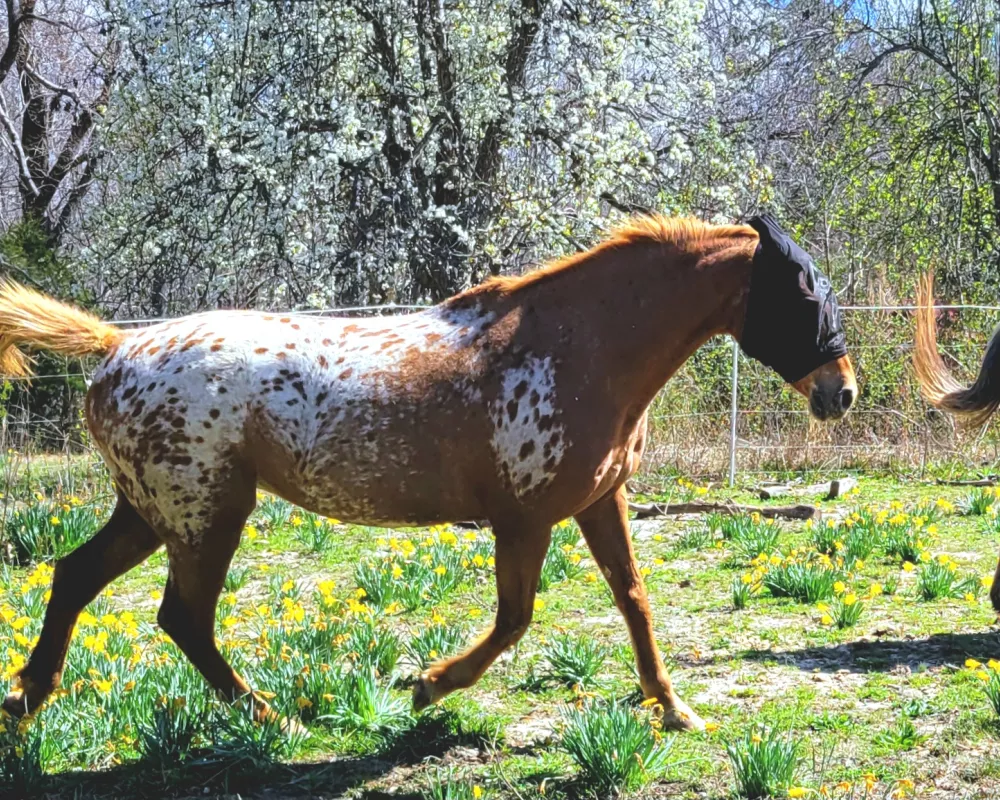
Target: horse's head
[[792, 323]]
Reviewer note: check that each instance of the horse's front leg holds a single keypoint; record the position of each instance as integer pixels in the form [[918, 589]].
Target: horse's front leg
[[605, 527], [520, 551]]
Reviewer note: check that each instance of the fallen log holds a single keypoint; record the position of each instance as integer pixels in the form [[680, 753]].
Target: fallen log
[[990, 480], [649, 510], [830, 490]]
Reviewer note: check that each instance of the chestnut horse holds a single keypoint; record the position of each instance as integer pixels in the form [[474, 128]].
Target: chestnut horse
[[521, 401], [974, 404]]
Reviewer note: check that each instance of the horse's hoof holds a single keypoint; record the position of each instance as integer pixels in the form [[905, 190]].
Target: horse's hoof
[[681, 718], [423, 694], [16, 705]]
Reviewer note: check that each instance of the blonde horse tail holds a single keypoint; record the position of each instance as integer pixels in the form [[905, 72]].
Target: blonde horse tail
[[973, 404], [32, 320]]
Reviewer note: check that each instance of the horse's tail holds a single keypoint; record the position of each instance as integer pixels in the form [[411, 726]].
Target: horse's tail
[[30, 319], [976, 403]]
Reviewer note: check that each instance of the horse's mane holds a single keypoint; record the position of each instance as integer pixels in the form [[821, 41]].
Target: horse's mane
[[680, 232]]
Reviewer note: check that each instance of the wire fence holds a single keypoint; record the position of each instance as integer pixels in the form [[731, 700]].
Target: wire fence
[[722, 414]]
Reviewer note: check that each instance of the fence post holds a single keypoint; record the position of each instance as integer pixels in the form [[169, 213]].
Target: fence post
[[732, 414]]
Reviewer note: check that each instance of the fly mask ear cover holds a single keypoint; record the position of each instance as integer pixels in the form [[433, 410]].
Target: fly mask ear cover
[[792, 322]]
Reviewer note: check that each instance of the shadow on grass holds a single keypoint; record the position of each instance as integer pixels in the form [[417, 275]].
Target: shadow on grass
[[885, 655], [431, 736]]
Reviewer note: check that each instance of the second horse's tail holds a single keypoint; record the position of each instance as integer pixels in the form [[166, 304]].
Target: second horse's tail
[[974, 404]]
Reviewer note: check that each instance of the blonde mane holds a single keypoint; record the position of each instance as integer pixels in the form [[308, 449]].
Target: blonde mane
[[680, 232]]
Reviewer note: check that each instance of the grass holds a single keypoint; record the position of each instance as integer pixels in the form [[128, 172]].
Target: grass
[[333, 621]]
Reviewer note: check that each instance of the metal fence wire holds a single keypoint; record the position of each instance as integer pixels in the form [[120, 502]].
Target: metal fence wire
[[721, 414]]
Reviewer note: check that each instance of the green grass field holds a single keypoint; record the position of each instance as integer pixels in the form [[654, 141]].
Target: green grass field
[[856, 666]]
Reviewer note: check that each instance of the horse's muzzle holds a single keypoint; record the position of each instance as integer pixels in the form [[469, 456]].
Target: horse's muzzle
[[829, 405]]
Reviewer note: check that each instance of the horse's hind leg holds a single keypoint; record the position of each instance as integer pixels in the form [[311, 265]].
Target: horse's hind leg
[[195, 580], [605, 527], [520, 551], [124, 542]]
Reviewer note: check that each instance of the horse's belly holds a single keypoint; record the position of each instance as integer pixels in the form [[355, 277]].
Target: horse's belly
[[371, 462]]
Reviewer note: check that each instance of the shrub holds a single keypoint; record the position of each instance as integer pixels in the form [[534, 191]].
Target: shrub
[[979, 502], [742, 591], [362, 705], [806, 581], [939, 578], [844, 612], [562, 561], [434, 642], [573, 661], [764, 763], [274, 512], [616, 748], [236, 578]]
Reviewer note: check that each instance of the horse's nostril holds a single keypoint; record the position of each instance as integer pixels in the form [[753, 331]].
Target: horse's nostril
[[846, 398]]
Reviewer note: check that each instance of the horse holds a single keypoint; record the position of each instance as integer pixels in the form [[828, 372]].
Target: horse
[[973, 405], [521, 401]]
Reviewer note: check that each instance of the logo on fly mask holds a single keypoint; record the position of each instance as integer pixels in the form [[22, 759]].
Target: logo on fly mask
[[792, 322]]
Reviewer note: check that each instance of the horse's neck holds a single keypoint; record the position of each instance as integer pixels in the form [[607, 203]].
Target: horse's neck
[[642, 310]]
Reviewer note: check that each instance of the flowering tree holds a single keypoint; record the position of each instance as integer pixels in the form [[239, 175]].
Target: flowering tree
[[324, 153]]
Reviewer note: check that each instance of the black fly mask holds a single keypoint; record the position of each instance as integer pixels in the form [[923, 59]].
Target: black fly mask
[[792, 322]]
